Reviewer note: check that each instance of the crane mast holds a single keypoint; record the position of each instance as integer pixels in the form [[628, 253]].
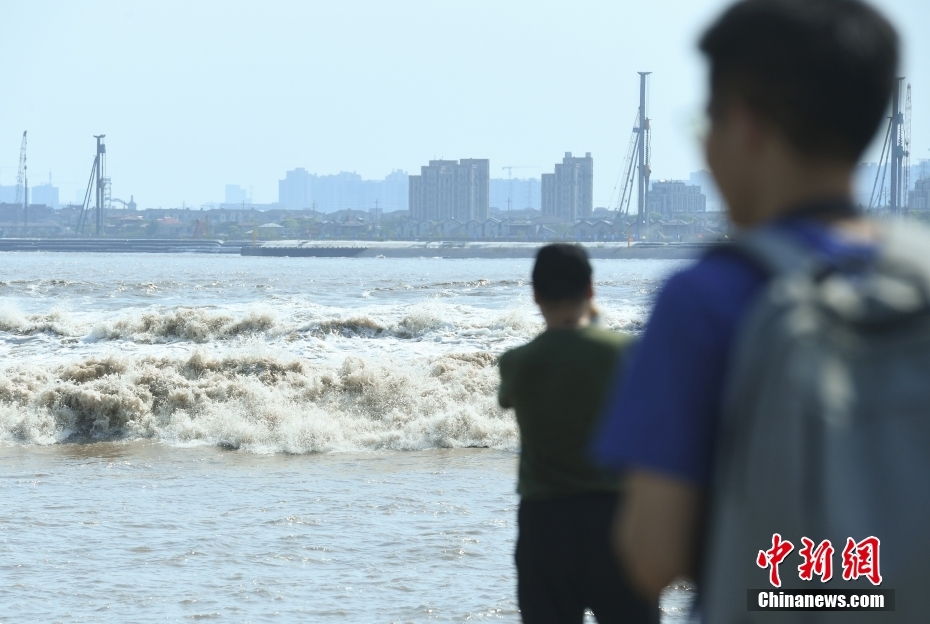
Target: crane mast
[[22, 184], [627, 174], [637, 165], [906, 145], [895, 157], [99, 183], [643, 148]]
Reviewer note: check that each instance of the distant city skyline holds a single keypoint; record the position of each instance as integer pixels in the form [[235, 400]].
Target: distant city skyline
[[196, 95], [345, 190], [525, 192]]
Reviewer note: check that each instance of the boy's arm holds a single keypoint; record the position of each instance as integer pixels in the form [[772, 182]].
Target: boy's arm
[[655, 534]]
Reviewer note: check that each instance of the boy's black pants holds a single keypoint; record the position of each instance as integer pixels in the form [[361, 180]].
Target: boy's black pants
[[565, 564]]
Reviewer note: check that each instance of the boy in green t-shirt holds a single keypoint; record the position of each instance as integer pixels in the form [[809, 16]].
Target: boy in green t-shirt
[[556, 384]]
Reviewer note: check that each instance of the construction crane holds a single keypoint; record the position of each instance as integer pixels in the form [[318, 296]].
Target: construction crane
[[98, 181], [637, 165], [879, 189], [627, 173], [906, 144], [894, 161], [22, 183]]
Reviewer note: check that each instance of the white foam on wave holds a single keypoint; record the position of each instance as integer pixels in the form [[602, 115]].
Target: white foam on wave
[[55, 321], [260, 402], [184, 323], [277, 376], [208, 324]]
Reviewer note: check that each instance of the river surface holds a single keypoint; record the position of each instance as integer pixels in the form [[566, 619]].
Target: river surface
[[250, 439]]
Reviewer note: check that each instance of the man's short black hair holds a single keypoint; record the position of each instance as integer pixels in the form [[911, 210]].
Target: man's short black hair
[[562, 271], [820, 71]]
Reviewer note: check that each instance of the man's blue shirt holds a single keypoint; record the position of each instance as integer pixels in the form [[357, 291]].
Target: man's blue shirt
[[663, 418]]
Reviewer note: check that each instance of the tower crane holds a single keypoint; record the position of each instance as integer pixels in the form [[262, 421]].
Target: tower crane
[[22, 183]]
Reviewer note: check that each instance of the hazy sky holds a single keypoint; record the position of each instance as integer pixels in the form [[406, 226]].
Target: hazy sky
[[196, 94]]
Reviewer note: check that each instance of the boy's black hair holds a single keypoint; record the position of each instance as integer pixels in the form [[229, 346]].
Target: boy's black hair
[[820, 71], [561, 272]]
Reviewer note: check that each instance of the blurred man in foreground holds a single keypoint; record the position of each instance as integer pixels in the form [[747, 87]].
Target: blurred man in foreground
[[556, 384], [777, 393]]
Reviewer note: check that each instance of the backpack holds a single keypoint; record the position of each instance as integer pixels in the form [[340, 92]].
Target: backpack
[[825, 432]]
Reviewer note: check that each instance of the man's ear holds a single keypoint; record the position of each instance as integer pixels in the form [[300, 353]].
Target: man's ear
[[536, 296], [589, 293]]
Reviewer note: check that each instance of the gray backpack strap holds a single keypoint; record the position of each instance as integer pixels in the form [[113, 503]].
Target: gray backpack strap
[[778, 252], [906, 253]]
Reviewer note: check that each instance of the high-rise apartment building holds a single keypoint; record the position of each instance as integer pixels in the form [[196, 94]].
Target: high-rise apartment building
[[343, 191], [670, 196], [919, 198], [449, 189], [569, 192], [294, 191], [705, 180], [44, 194]]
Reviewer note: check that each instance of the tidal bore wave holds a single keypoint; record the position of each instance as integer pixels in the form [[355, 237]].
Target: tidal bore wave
[[259, 402], [203, 325]]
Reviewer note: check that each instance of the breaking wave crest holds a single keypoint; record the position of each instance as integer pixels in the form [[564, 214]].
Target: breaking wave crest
[[54, 322], [203, 325], [189, 324], [260, 402]]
